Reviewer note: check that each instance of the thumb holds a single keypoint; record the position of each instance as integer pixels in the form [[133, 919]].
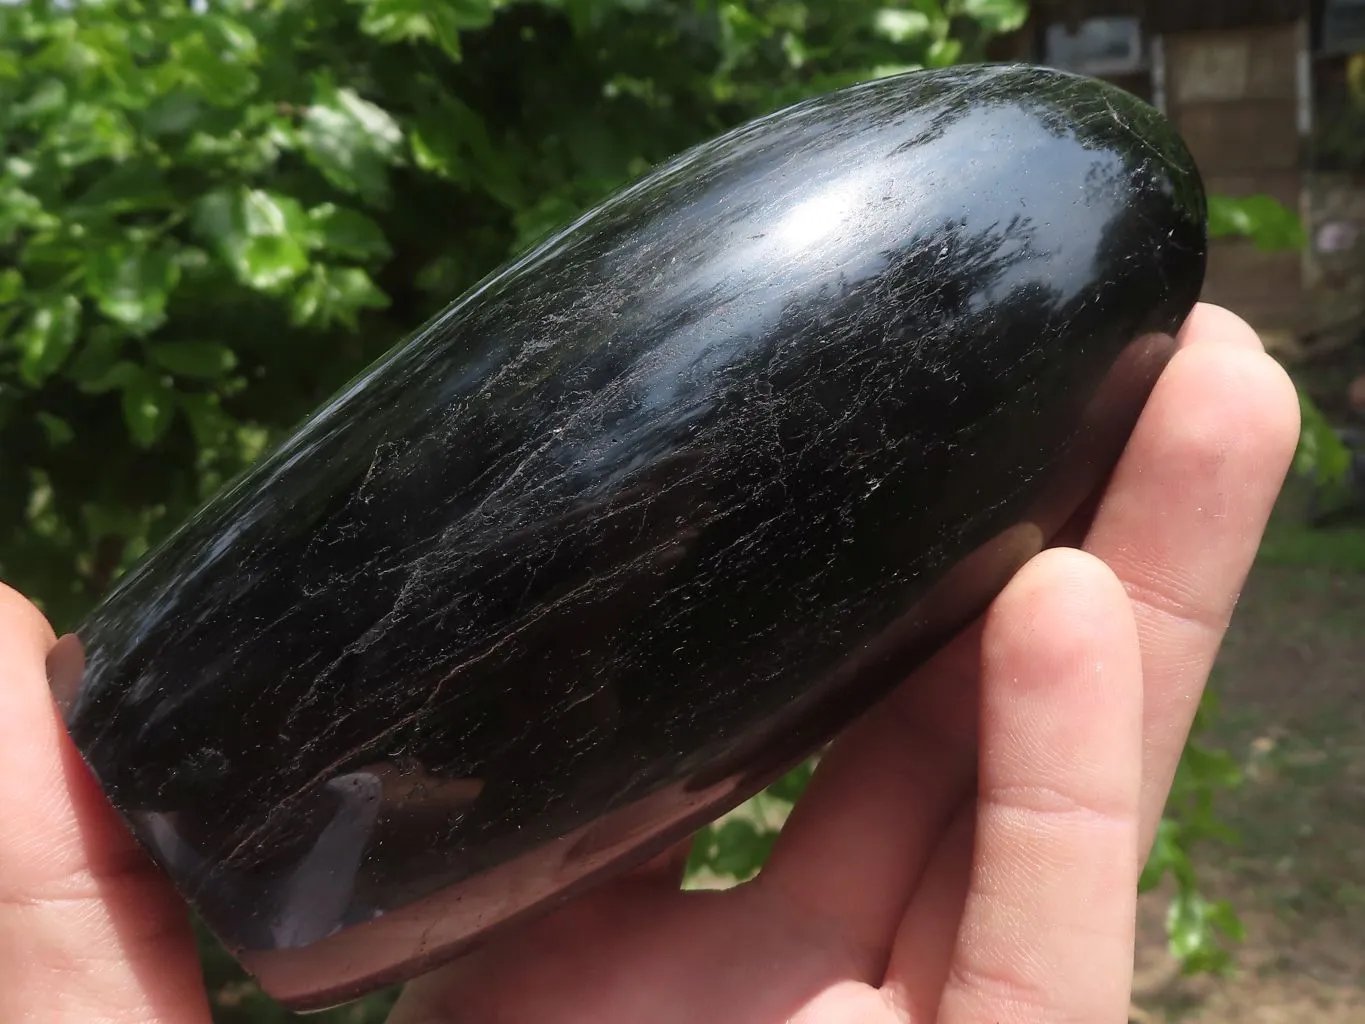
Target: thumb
[[90, 930]]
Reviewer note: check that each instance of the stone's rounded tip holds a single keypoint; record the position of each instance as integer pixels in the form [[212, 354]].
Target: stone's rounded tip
[[642, 520]]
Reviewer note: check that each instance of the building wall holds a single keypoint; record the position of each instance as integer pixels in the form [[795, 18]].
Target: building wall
[[1229, 74], [1234, 96]]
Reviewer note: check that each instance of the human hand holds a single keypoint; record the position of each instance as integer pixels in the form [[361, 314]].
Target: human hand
[[968, 851]]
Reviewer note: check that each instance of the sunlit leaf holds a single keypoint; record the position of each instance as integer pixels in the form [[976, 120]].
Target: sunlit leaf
[[1269, 224], [997, 16], [48, 99], [335, 294], [216, 60], [90, 132], [261, 235], [944, 52], [439, 21], [899, 25], [131, 284], [736, 848], [20, 209], [352, 142], [48, 337]]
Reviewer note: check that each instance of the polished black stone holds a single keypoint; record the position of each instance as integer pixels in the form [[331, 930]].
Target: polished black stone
[[642, 519]]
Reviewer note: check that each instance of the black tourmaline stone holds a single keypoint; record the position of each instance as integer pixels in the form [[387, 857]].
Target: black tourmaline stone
[[643, 519]]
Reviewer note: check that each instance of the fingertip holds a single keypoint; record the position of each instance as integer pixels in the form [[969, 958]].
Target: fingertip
[[21, 622], [1209, 324], [1241, 395], [1054, 875], [1062, 584], [1063, 633]]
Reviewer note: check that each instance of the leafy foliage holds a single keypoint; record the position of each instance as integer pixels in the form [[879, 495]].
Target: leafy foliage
[[1197, 928], [214, 214]]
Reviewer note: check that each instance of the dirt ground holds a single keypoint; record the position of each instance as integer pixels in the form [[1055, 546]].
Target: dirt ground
[[1291, 682]]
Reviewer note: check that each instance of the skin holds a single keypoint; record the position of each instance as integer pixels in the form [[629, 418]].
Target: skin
[[967, 852]]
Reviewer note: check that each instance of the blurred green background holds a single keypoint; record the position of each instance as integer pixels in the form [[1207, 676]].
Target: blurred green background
[[214, 213]]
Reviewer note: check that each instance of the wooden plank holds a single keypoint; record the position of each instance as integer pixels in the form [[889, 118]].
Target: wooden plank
[[1255, 284], [1247, 64], [1241, 137], [1209, 15]]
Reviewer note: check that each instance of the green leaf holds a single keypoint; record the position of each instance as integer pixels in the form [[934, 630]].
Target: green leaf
[[173, 114], [1215, 768], [201, 359], [741, 29], [740, 848], [215, 61], [790, 787], [1167, 856], [944, 52], [451, 140], [1322, 455], [352, 142], [436, 148], [99, 350], [1194, 928], [20, 209], [995, 16], [48, 337], [58, 431], [348, 233], [209, 424], [11, 285], [438, 21], [332, 294], [1223, 916], [900, 25], [260, 235], [148, 408], [1269, 224], [127, 187], [131, 284], [88, 133], [114, 377], [48, 98]]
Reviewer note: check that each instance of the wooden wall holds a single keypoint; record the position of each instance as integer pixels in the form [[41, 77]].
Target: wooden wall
[[1231, 85], [1233, 94]]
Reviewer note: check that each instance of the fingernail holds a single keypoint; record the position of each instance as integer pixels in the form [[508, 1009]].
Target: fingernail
[[65, 668]]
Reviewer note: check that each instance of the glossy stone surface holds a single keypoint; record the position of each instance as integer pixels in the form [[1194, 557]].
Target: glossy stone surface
[[640, 521]]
